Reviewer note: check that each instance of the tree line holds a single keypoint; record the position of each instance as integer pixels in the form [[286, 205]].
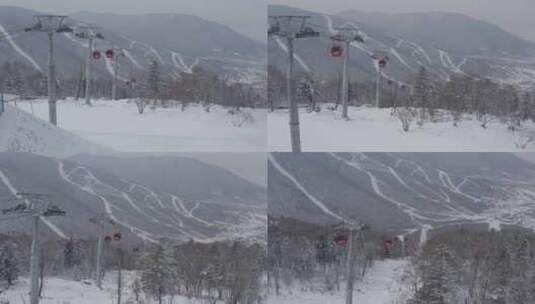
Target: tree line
[[474, 268], [422, 100], [228, 272], [155, 86], [219, 272], [313, 257]]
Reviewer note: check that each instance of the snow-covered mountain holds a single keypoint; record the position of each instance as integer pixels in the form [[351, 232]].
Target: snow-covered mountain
[[178, 42], [148, 198], [404, 192], [444, 43]]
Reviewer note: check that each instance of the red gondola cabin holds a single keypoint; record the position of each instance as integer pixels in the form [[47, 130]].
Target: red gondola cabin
[[340, 240], [382, 63], [337, 51]]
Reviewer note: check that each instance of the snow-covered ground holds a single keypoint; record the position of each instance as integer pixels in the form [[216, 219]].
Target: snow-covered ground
[[62, 291], [375, 130], [21, 132], [117, 125], [381, 285]]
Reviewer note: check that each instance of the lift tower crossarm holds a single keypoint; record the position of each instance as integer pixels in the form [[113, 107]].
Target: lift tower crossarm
[[36, 207], [292, 27]]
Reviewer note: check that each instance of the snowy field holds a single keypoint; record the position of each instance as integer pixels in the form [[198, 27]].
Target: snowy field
[[375, 130], [22, 132], [380, 286], [62, 291], [118, 126]]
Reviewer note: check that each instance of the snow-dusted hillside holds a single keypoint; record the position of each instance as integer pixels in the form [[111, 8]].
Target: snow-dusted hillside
[[370, 130], [404, 192], [142, 38], [382, 285], [22, 132], [119, 126], [445, 44], [147, 198]]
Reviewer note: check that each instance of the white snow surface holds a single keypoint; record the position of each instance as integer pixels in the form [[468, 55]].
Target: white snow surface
[[62, 291], [372, 130], [380, 286], [118, 126], [22, 132]]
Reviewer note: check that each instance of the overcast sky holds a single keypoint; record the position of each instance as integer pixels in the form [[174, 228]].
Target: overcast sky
[[249, 16]]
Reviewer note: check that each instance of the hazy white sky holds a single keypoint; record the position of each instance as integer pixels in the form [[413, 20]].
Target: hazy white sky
[[249, 16]]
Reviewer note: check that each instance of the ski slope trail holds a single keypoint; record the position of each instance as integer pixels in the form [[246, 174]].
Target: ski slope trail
[[91, 182], [448, 63], [132, 59], [178, 61], [154, 210], [400, 58], [299, 186], [412, 212], [14, 191], [450, 211], [301, 62], [381, 285], [156, 54], [19, 50]]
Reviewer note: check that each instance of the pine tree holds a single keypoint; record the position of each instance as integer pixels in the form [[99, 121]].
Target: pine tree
[[136, 288], [156, 274], [422, 94], [305, 93], [215, 272], [439, 277], [153, 80], [14, 82], [9, 270], [68, 254], [520, 261]]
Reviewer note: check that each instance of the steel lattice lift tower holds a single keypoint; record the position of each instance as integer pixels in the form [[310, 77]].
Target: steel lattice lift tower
[[90, 33], [37, 208], [291, 28], [346, 35], [50, 24]]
